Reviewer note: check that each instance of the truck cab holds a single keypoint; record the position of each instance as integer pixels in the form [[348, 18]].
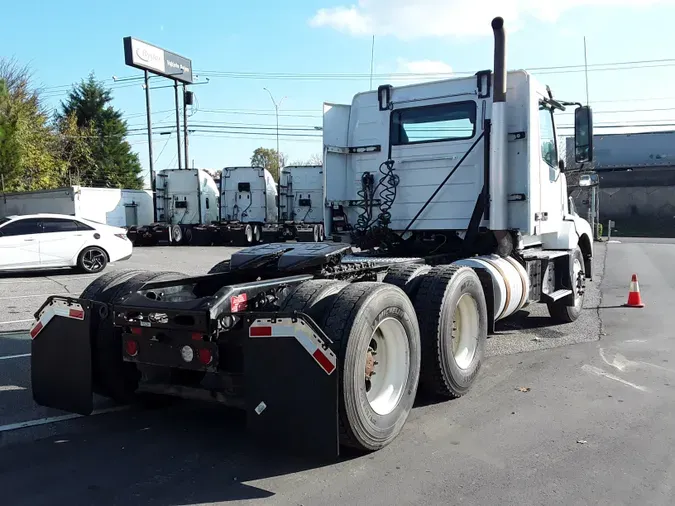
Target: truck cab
[[410, 138]]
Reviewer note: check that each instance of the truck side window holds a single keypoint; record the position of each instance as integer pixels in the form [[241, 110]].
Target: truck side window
[[549, 152], [433, 123]]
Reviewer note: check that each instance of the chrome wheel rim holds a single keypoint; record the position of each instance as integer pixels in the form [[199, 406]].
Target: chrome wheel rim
[[579, 280], [387, 364], [465, 327]]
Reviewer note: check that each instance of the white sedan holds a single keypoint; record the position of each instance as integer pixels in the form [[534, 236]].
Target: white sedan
[[43, 241]]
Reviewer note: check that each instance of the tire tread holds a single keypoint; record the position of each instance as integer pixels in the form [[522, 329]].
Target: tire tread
[[429, 306]]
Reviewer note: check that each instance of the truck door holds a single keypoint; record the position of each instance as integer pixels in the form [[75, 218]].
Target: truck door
[[551, 214]]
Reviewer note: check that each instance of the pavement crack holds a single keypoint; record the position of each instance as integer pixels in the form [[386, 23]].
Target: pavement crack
[[65, 287], [603, 263]]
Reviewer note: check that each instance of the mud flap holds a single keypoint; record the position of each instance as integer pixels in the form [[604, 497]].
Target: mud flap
[[61, 364], [291, 379]]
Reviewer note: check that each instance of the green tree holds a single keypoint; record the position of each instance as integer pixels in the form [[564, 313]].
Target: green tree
[[108, 161], [315, 159], [76, 148], [267, 159], [28, 145]]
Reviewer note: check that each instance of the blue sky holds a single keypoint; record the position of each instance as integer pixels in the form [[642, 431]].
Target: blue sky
[[311, 51]]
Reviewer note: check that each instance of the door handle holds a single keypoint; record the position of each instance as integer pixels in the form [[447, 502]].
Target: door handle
[[28, 240]]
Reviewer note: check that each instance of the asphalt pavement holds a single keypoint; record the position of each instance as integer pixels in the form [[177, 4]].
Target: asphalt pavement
[[573, 414]]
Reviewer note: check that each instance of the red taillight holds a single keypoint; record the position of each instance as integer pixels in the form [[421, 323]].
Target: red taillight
[[196, 336], [260, 332], [205, 356], [122, 236], [136, 331], [131, 347]]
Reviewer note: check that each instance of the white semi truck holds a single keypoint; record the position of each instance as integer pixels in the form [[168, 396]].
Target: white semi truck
[[453, 213], [185, 200], [254, 209], [249, 212], [301, 201]]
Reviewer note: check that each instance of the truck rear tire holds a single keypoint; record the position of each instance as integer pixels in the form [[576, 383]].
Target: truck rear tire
[[452, 314], [407, 277], [309, 294], [322, 233], [176, 235], [257, 234], [248, 235], [188, 236], [102, 282], [560, 313], [316, 233], [112, 377], [223, 266], [370, 322]]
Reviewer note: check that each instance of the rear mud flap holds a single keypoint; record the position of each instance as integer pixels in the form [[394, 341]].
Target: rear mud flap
[[291, 388], [61, 365]]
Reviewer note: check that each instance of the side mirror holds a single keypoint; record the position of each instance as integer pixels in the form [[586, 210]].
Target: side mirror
[[561, 165], [583, 134]]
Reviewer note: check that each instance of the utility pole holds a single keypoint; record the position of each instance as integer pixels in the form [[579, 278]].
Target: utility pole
[[372, 61], [175, 88], [276, 109], [152, 164], [586, 70], [185, 124]]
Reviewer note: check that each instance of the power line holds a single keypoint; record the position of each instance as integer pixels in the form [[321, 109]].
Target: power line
[[123, 82], [629, 65]]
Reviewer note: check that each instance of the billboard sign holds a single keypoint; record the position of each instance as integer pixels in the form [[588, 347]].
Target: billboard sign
[[144, 56]]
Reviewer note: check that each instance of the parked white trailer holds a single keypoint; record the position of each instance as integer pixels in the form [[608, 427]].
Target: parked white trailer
[[185, 199], [116, 207], [301, 201]]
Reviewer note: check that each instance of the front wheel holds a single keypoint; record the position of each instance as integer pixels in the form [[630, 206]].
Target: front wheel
[[561, 313], [92, 260], [375, 328]]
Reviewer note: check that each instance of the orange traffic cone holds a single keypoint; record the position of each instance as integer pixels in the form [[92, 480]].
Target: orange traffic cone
[[634, 299]]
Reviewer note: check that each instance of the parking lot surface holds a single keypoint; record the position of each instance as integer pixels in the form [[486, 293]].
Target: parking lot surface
[[585, 417]]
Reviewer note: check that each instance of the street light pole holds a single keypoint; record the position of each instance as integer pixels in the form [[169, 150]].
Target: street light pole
[[276, 109]]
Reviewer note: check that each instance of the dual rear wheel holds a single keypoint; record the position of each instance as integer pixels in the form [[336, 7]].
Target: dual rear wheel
[[420, 327]]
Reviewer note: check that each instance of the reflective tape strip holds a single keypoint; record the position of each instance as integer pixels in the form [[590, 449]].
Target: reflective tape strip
[[56, 308], [310, 341]]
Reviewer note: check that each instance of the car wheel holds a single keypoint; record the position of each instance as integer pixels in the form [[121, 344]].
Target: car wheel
[[92, 260]]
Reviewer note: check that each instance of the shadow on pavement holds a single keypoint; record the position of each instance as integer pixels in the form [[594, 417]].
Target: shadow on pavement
[[66, 271], [190, 454]]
